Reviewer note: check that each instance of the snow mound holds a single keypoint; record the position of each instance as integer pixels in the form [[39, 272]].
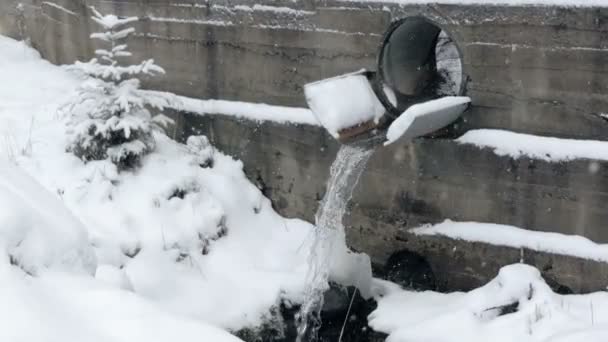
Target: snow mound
[[515, 306], [187, 232], [36, 230], [503, 235], [517, 145]]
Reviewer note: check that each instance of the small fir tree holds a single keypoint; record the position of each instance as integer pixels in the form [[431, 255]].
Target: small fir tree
[[109, 116]]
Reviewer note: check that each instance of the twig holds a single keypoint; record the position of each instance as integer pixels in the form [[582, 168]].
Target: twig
[[352, 299]]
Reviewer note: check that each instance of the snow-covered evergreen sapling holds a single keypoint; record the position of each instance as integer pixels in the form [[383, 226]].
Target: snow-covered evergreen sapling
[[109, 116]]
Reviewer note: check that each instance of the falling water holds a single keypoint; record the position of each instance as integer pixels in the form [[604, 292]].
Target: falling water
[[329, 235]]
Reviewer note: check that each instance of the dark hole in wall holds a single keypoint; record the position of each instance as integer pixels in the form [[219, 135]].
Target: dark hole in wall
[[419, 61]]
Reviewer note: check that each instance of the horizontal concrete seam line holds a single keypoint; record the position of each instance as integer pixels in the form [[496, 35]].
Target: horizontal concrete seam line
[[509, 25], [520, 185], [261, 26], [485, 3], [61, 8], [317, 29], [523, 67], [268, 8], [304, 51], [543, 48], [508, 92], [190, 21], [345, 8], [532, 100], [528, 100]]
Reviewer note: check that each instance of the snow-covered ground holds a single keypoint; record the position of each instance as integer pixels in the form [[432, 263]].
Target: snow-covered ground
[[167, 247], [486, 314]]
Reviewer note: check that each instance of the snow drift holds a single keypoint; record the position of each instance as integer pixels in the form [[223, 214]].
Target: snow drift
[[36, 230]]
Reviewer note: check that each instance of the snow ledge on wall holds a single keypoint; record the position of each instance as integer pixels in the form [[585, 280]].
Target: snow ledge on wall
[[510, 236], [551, 149], [245, 110]]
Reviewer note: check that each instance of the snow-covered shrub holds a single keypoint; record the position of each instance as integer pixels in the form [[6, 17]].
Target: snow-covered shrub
[[191, 218], [110, 117], [202, 150]]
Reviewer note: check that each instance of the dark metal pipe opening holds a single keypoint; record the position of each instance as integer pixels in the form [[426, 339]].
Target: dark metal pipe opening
[[418, 61]]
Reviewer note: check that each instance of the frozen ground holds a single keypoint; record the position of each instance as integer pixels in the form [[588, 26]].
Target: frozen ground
[[486, 314], [178, 252]]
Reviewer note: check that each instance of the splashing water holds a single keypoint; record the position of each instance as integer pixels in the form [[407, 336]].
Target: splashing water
[[329, 236]]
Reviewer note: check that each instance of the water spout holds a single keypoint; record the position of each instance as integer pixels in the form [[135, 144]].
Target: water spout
[[328, 251]]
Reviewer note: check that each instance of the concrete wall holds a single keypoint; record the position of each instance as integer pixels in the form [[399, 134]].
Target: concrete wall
[[532, 69], [540, 70], [406, 185]]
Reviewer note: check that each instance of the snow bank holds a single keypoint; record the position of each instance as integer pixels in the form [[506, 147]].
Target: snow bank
[[566, 3], [481, 315], [343, 102], [503, 235], [65, 307], [187, 233], [431, 109], [516, 145], [36, 230]]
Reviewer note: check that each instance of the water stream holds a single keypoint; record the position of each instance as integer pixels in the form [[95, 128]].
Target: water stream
[[329, 236]]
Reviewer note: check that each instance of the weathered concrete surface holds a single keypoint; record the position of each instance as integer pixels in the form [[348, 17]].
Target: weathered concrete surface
[[532, 69], [539, 70], [461, 265], [406, 185]]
